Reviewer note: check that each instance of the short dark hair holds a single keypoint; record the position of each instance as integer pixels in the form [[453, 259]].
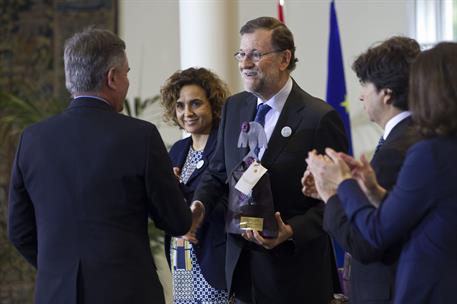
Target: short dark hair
[[281, 36], [387, 64], [433, 90], [88, 56], [215, 89]]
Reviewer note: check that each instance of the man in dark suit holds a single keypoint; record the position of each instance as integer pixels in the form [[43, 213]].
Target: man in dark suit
[[383, 71], [84, 183], [296, 266]]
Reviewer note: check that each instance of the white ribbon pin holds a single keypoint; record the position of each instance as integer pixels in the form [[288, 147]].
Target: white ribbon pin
[[286, 131]]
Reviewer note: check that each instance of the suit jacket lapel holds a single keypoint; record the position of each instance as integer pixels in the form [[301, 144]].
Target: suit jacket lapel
[[247, 110], [182, 153], [290, 117], [208, 150]]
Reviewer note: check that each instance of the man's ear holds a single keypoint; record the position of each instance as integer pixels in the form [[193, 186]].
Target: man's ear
[[111, 78], [285, 59], [387, 99]]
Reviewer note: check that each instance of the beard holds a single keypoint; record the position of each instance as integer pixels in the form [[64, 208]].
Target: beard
[[255, 86]]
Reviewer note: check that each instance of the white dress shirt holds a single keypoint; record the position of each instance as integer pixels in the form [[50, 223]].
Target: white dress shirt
[[277, 104]]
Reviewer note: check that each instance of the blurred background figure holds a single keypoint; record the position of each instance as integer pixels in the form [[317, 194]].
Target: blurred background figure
[[192, 99], [421, 210]]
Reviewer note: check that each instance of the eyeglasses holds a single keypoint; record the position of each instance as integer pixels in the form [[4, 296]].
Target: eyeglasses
[[254, 55]]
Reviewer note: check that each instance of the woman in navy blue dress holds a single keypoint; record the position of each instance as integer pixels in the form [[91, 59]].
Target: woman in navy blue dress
[[421, 210], [193, 99]]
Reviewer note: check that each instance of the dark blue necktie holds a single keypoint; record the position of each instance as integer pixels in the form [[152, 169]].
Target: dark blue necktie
[[262, 110], [380, 143]]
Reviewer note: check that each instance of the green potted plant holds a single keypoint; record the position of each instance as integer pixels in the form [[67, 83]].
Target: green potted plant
[[15, 115]]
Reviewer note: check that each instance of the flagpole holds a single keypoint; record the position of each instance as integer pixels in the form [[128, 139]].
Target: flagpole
[[281, 10]]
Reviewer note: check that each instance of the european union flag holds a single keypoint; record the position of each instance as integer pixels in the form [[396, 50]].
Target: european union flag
[[336, 83], [336, 93]]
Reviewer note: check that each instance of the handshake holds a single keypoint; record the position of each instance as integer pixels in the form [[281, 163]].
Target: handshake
[[198, 213], [326, 171]]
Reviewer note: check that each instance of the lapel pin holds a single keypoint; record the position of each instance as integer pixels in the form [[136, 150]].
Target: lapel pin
[[200, 163], [286, 131]]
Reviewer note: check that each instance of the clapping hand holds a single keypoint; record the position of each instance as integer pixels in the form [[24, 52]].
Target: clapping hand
[[331, 169], [328, 170], [366, 178], [309, 187]]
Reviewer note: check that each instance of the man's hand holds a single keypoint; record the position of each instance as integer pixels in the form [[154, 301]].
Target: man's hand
[[352, 163], [366, 178], [285, 232], [177, 172], [328, 171], [198, 213], [309, 187]]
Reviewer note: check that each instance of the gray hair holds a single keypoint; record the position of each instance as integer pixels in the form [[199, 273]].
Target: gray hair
[[88, 56], [281, 37]]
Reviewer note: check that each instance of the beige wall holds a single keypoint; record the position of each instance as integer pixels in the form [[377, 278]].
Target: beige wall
[[150, 29]]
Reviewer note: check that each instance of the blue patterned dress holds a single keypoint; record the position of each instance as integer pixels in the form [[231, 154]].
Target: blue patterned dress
[[189, 285]]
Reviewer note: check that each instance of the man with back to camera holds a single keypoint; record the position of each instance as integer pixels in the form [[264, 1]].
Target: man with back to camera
[[296, 266], [383, 71], [84, 182]]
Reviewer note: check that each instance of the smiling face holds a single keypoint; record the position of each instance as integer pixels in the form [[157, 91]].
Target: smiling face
[[193, 110], [265, 77]]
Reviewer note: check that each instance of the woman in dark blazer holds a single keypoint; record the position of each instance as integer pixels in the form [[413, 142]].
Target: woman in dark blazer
[[421, 210], [192, 99]]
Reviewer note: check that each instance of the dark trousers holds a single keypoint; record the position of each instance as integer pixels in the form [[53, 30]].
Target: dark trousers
[[253, 283]]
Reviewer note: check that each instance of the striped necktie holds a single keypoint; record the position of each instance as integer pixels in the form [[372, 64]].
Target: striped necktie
[[262, 110]]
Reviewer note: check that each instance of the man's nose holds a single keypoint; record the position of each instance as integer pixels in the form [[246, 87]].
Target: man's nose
[[246, 62]]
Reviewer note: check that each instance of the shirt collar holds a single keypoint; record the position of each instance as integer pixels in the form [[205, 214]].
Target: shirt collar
[[93, 96], [395, 121], [277, 101]]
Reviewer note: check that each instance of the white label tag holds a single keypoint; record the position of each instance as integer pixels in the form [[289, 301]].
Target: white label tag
[[250, 178]]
